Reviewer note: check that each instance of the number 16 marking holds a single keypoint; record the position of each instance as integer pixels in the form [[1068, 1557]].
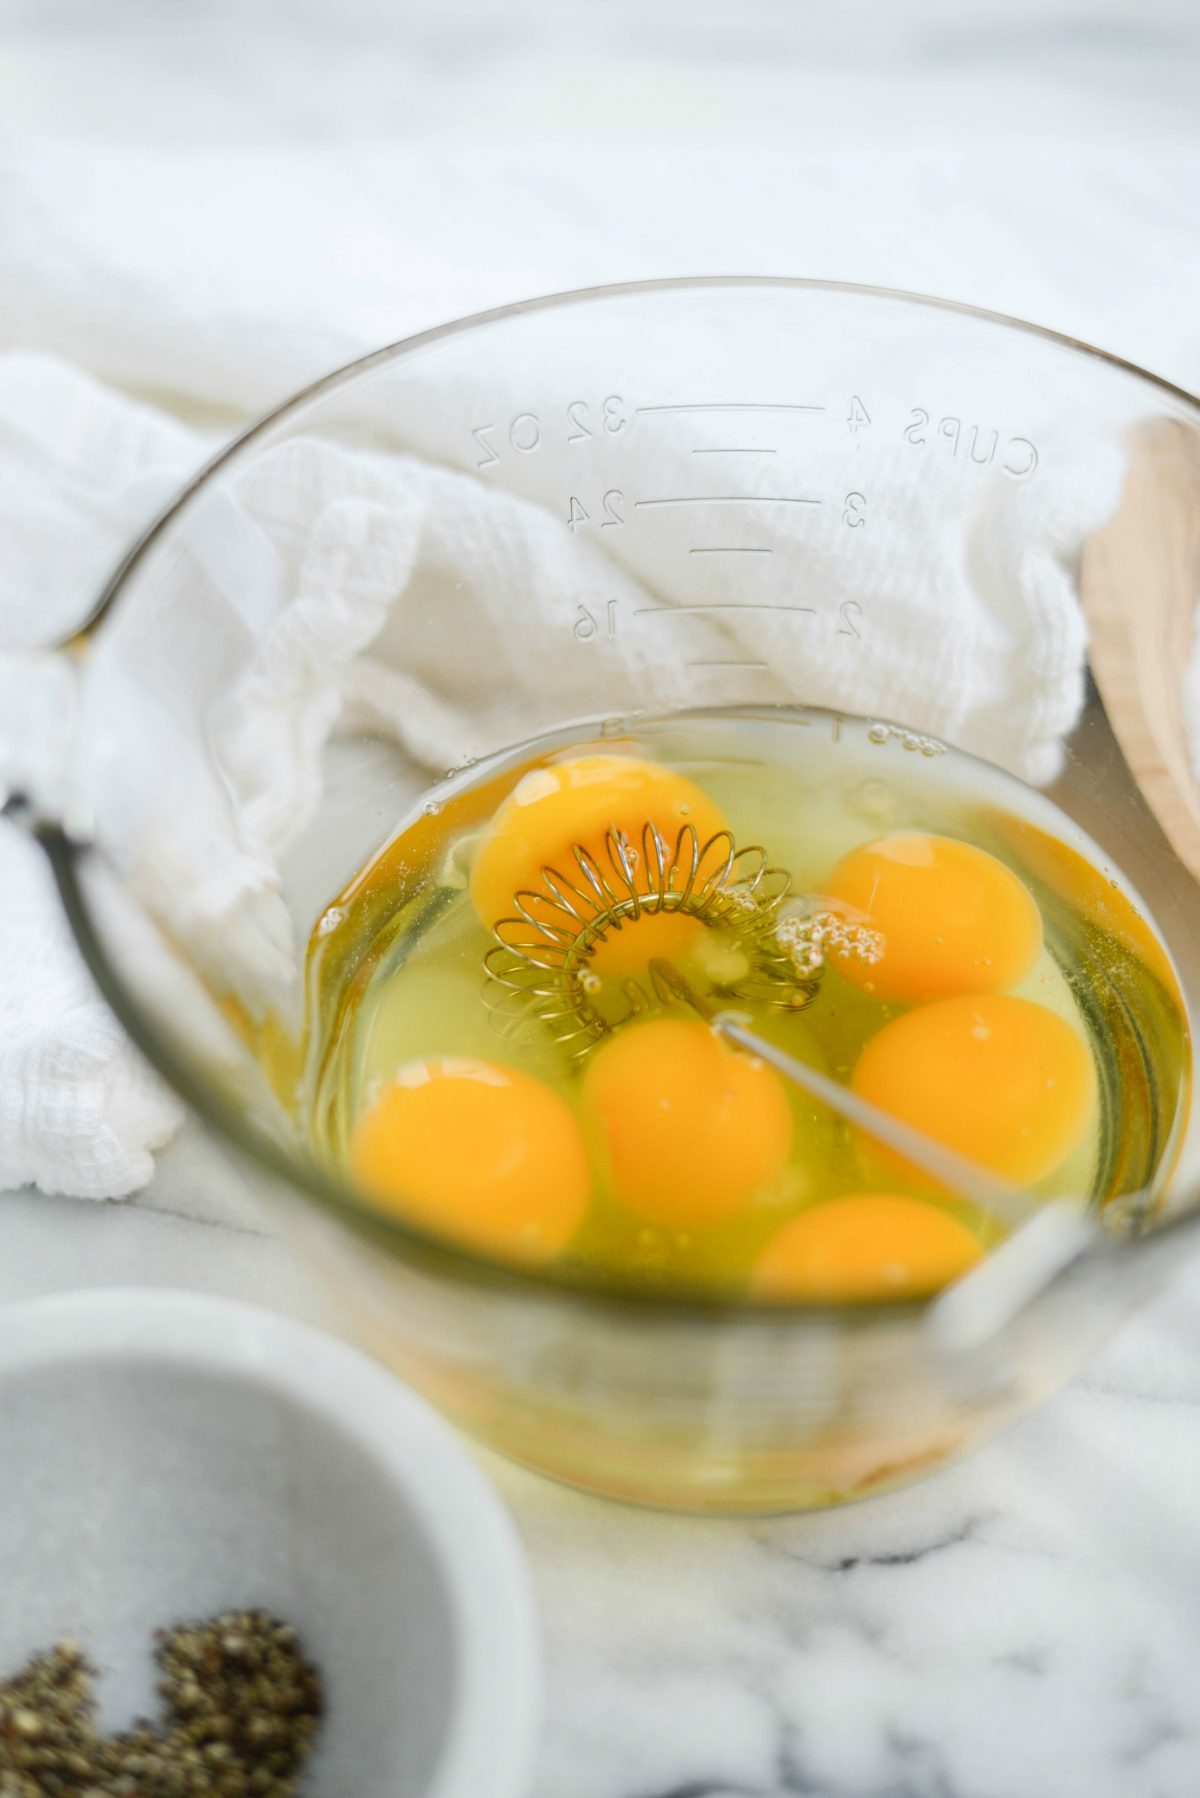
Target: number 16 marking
[[586, 627]]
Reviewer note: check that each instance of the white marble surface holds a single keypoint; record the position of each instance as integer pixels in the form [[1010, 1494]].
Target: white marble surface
[[1024, 1626]]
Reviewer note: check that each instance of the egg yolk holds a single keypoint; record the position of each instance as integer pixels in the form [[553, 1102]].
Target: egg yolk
[[552, 809], [631, 949], [865, 1246], [691, 1129], [1003, 1081], [952, 918], [483, 1154]]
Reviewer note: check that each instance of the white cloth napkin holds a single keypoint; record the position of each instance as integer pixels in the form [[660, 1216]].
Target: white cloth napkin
[[80, 1112], [316, 622], [214, 283]]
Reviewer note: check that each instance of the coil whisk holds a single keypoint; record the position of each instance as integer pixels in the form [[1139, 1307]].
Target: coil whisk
[[545, 967]]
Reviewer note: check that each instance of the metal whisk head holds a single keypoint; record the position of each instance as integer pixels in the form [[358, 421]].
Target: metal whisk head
[[542, 966]]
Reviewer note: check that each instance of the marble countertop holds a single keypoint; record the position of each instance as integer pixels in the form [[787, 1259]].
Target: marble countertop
[[1026, 1625]]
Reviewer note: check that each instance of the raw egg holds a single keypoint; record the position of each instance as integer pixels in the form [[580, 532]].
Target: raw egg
[[484, 1154], [952, 918], [631, 949], [865, 1246], [691, 1130], [1004, 1081], [555, 807]]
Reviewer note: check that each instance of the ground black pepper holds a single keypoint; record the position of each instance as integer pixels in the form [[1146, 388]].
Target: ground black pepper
[[240, 1710]]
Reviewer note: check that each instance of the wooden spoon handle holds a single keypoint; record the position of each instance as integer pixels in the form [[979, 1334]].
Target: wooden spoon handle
[[1140, 584]]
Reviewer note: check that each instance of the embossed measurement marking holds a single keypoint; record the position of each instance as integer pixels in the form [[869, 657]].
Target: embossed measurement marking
[[730, 499], [732, 549], [729, 406], [742, 449], [592, 626], [725, 662], [732, 605]]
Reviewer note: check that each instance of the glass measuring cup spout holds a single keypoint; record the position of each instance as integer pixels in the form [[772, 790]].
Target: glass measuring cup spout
[[858, 511]]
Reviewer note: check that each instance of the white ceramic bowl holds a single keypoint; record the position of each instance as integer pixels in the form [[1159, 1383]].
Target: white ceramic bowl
[[165, 1456]]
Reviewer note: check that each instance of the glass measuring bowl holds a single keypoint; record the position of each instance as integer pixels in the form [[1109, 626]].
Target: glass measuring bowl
[[726, 495]]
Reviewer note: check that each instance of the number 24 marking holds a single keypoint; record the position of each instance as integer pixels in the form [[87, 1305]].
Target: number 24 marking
[[614, 510]]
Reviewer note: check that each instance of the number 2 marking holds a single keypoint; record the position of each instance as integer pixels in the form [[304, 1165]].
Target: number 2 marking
[[577, 417], [851, 616]]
